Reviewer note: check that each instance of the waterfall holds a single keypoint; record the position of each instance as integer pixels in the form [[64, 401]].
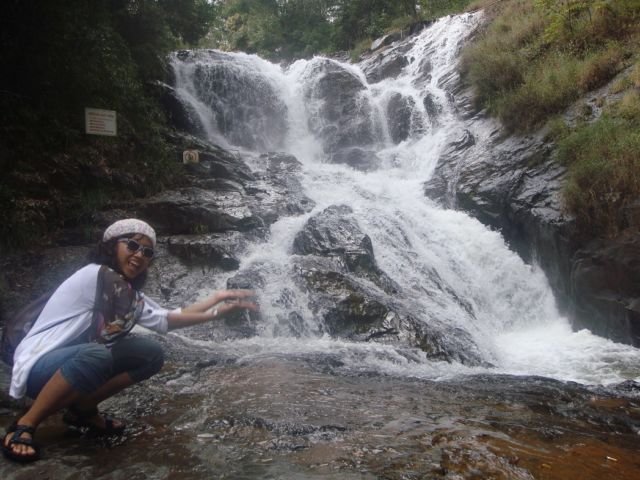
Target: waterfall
[[370, 144]]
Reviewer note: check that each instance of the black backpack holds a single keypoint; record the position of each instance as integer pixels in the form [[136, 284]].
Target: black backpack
[[17, 327]]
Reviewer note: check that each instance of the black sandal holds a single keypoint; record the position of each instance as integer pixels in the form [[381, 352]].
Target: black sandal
[[16, 439], [83, 419]]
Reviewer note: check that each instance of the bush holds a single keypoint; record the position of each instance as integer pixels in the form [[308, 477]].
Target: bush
[[603, 161], [629, 107], [548, 89], [601, 67], [535, 58]]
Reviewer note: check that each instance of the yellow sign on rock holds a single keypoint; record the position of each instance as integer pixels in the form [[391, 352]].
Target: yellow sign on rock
[[100, 122], [190, 156]]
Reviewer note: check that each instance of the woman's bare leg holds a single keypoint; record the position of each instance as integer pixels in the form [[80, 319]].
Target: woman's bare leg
[[56, 394], [114, 385]]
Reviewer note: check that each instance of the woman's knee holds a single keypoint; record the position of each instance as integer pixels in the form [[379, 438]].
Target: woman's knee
[[139, 356], [89, 368], [156, 359]]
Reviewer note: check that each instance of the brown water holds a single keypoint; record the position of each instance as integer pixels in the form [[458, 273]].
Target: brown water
[[296, 418]]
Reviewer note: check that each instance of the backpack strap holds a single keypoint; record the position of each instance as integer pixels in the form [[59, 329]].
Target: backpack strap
[[98, 302], [96, 306]]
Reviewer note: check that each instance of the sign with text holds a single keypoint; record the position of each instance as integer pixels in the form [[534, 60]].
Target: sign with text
[[100, 122]]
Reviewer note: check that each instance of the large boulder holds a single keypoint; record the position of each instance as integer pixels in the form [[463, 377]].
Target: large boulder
[[244, 103], [352, 308], [513, 183], [400, 111], [334, 232], [357, 300], [356, 157], [277, 191], [388, 64], [195, 210], [340, 113], [606, 276]]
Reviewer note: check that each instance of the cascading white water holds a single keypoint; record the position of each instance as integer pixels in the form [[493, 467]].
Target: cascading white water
[[514, 322]]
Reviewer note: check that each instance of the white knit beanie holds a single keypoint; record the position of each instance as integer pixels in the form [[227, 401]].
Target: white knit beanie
[[129, 226]]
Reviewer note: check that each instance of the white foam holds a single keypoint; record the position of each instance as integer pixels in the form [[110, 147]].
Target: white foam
[[485, 289]]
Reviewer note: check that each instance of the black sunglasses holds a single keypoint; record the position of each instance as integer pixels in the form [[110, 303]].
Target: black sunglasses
[[134, 247]]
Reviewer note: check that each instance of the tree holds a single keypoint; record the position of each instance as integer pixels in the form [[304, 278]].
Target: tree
[[63, 57]]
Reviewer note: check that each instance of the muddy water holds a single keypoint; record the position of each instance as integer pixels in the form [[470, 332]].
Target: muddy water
[[306, 417]]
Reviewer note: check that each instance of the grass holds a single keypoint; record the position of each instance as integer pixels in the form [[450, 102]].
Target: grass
[[603, 161], [527, 67], [534, 59]]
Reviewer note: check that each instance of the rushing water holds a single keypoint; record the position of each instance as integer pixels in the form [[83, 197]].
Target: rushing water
[[247, 104]]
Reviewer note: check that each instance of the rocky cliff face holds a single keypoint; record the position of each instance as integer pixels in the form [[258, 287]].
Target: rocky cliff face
[[512, 184], [515, 186]]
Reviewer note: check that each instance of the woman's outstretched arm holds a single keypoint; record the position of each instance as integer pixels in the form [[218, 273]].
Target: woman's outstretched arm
[[212, 307]]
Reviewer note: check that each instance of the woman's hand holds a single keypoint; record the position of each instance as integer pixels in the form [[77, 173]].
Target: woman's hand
[[235, 300], [217, 297], [215, 305]]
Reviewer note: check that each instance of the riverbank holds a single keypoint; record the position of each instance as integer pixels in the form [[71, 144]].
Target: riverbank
[[211, 416]]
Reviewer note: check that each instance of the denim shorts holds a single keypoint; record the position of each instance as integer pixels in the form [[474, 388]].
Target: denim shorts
[[86, 366]]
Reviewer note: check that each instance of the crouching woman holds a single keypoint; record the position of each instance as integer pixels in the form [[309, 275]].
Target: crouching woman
[[78, 352]]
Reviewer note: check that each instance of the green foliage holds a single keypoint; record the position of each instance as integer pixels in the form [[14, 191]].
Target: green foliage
[[301, 28], [360, 19], [274, 29], [535, 58], [439, 8], [546, 90], [604, 172], [63, 57]]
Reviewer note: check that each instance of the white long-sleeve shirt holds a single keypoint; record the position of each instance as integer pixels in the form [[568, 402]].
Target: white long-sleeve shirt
[[66, 316]]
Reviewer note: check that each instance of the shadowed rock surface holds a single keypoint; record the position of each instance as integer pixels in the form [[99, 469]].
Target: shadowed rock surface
[[211, 416]]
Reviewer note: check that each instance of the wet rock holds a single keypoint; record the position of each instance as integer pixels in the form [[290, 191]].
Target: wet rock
[[237, 417], [387, 56], [388, 65], [356, 309], [246, 106], [194, 210], [347, 306], [605, 276], [215, 162], [513, 185], [277, 190], [399, 115], [432, 107], [250, 279], [343, 117], [358, 158], [386, 40], [357, 300], [213, 250], [334, 232], [179, 114], [448, 343]]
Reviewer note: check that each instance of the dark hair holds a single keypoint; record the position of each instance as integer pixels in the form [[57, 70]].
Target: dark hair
[[105, 254]]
